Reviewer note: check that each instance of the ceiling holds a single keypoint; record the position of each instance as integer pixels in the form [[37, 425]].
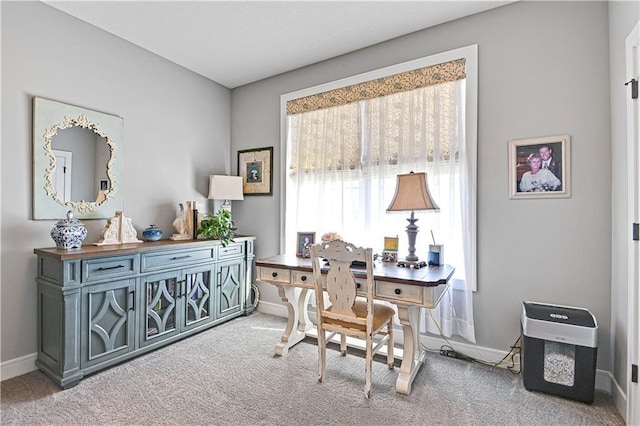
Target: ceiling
[[238, 42]]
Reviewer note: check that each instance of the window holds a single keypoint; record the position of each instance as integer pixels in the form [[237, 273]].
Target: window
[[343, 155]]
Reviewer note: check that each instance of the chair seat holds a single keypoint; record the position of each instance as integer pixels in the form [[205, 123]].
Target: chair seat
[[381, 315]]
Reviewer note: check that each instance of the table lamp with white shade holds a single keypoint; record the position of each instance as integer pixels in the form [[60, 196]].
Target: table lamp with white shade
[[225, 188]]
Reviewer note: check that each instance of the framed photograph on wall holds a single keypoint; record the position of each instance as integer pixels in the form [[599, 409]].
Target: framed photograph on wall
[[255, 167], [305, 239], [540, 167]]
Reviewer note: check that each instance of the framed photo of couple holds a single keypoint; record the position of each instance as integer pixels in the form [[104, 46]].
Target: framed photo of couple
[[540, 168]]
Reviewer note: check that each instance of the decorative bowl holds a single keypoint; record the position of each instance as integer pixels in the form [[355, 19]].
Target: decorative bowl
[[152, 233]]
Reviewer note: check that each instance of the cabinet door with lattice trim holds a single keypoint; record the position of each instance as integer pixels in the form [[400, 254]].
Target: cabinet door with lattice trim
[[108, 329], [198, 296], [230, 288], [160, 311]]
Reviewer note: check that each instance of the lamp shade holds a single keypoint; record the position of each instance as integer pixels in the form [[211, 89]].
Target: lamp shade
[[412, 193], [225, 187]]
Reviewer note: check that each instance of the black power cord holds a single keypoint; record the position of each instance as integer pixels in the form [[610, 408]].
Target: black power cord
[[447, 350], [515, 350]]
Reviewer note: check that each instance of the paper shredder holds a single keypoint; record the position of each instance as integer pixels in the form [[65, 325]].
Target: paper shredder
[[559, 350]]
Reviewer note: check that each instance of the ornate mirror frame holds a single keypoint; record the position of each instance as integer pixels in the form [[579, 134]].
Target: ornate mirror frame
[[48, 118]]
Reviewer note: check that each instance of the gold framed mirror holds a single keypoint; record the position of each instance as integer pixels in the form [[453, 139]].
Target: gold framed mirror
[[77, 161]]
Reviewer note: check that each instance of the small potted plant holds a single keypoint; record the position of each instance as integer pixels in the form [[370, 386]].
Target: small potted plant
[[217, 227]]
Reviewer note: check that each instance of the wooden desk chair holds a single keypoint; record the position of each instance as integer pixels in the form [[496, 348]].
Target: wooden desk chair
[[347, 315]]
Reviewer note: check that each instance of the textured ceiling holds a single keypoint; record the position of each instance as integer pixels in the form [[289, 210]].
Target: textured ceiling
[[239, 42]]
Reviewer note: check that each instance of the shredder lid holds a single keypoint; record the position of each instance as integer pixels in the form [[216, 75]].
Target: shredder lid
[[560, 314], [564, 324]]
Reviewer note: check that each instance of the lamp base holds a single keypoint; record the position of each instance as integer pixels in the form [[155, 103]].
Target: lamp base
[[411, 264]]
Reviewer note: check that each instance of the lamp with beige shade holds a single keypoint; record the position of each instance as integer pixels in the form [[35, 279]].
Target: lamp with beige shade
[[412, 194]]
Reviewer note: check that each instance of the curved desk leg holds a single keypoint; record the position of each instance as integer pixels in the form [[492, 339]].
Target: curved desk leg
[[304, 322], [412, 356], [296, 324]]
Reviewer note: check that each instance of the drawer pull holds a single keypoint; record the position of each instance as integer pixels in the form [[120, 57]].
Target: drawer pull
[[398, 291], [180, 257], [274, 274], [303, 278], [110, 268], [358, 285]]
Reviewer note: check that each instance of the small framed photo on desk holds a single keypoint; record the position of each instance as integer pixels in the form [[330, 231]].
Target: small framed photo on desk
[[390, 252], [305, 239]]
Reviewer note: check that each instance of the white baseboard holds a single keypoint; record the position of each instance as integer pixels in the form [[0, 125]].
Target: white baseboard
[[604, 379], [18, 367], [618, 395], [276, 309], [474, 351]]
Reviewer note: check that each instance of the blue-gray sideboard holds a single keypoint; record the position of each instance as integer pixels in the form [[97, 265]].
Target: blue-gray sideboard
[[101, 305]]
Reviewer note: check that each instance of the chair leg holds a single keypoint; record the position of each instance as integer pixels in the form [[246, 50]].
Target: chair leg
[[343, 344], [390, 360], [322, 354], [368, 367]]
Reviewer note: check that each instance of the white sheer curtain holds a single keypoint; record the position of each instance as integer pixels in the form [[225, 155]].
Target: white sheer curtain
[[342, 164]]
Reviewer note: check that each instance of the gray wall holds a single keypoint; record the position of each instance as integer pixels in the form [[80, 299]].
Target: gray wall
[[176, 126], [542, 71], [622, 18]]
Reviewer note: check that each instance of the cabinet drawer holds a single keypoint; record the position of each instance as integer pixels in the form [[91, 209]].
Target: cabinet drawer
[[231, 250], [109, 267], [164, 260], [303, 279], [399, 292], [274, 275]]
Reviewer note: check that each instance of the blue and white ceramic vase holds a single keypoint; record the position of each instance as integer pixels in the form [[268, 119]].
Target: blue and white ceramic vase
[[69, 233], [152, 233]]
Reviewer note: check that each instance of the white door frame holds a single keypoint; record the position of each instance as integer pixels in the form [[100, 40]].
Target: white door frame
[[62, 174], [632, 52]]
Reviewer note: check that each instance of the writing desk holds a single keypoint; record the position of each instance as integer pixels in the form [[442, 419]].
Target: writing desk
[[409, 289]]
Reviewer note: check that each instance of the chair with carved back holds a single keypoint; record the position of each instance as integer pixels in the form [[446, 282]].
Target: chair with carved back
[[348, 314]]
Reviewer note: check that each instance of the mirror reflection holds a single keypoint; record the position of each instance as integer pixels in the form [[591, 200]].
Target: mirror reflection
[[81, 158]]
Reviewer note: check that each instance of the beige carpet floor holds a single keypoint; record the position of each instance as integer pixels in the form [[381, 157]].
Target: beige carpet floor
[[228, 375]]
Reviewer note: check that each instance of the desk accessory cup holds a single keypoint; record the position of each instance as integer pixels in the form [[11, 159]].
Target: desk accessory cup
[[436, 253]]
